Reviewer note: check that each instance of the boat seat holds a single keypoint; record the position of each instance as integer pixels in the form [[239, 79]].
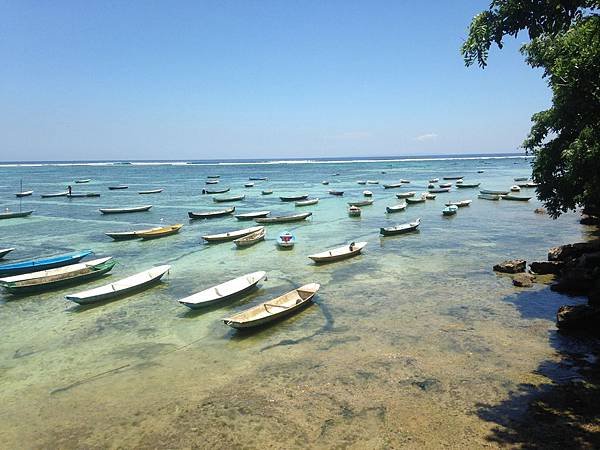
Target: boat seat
[[218, 293]]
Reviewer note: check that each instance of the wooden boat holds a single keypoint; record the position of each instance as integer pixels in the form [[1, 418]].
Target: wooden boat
[[54, 278], [211, 182], [210, 214], [125, 235], [461, 181], [439, 190], [307, 202], [434, 180], [34, 265], [121, 288], [159, 232], [24, 194], [454, 177], [325, 182], [404, 181], [450, 210], [361, 182], [274, 309], [118, 188], [429, 196], [516, 198], [56, 194], [284, 219], [230, 235], [229, 290], [338, 193], [367, 193], [125, 210], [515, 188], [250, 239], [372, 181], [489, 196], [521, 179], [213, 176], [400, 229], [354, 211], [5, 251], [405, 194], [83, 195], [229, 198], [392, 185], [252, 215], [249, 185], [459, 204], [215, 191], [257, 178], [413, 201], [361, 203], [467, 185], [86, 180], [294, 198], [286, 240], [14, 215], [487, 191], [445, 185], [151, 191], [395, 208], [267, 192], [346, 251]]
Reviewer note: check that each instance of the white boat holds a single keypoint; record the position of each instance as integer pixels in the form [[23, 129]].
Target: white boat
[[125, 210], [310, 201], [5, 251], [354, 211], [429, 196], [489, 196], [55, 194], [252, 215], [151, 191], [395, 208], [434, 180], [361, 203], [406, 194], [120, 288], [372, 181], [24, 194], [250, 239], [450, 210], [361, 182], [459, 204], [225, 291], [249, 184], [515, 188], [367, 193], [346, 251], [230, 235], [286, 240]]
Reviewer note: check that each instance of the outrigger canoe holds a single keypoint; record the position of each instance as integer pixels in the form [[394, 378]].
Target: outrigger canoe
[[121, 288], [34, 265], [283, 219], [400, 229], [125, 210], [228, 290], [230, 235], [210, 214], [346, 251], [274, 309]]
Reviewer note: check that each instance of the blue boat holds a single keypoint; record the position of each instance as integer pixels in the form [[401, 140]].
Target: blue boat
[[34, 265]]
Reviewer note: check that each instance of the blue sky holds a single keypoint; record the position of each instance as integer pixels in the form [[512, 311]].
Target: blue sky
[[251, 79]]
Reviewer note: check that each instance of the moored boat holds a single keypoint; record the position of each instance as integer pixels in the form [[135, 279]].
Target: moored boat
[[429, 196], [55, 194], [395, 208], [489, 196], [213, 176], [492, 192], [284, 219], [267, 192], [325, 182], [215, 191], [361, 182], [151, 191], [286, 240], [392, 185], [210, 214], [412, 200], [367, 193], [5, 251], [229, 198], [354, 211], [406, 194], [82, 181], [336, 254], [159, 232], [118, 188], [434, 180], [445, 185], [361, 203], [454, 177], [293, 198], [125, 210], [307, 202], [372, 181], [257, 178], [400, 229], [83, 194], [230, 235], [521, 178], [334, 192], [211, 182], [450, 210], [34, 265], [15, 214], [516, 198], [439, 190], [251, 239], [459, 204], [467, 185], [24, 194], [515, 188], [252, 215], [249, 184]]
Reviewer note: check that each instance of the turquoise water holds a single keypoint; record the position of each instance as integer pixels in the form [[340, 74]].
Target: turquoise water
[[404, 343]]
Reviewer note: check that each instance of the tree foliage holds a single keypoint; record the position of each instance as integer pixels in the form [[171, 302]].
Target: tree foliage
[[565, 44]]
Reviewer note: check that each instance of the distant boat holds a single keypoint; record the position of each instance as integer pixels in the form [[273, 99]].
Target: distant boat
[[431, 186], [213, 176], [445, 185], [229, 290], [159, 232], [211, 214], [307, 202], [231, 198], [420, 199], [267, 192], [14, 215], [361, 182], [86, 180], [406, 194], [53, 278], [5, 251], [24, 194], [372, 181], [286, 240], [404, 181], [211, 182], [521, 178], [453, 177], [336, 254], [515, 188], [83, 195], [439, 190], [249, 185], [338, 193], [450, 210], [361, 203], [325, 182], [516, 198], [294, 198], [56, 194], [151, 191], [258, 178], [429, 196], [487, 191], [126, 235], [461, 181], [354, 211], [230, 235], [480, 171], [125, 210], [251, 239], [274, 309], [252, 215], [215, 191], [434, 180], [283, 219], [34, 265], [395, 208], [367, 193], [489, 196], [459, 204], [121, 288], [392, 185], [467, 185], [400, 229], [118, 188]]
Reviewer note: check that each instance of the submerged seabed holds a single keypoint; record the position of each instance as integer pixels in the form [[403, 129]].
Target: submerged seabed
[[415, 343]]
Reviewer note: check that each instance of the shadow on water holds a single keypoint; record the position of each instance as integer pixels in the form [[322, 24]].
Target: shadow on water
[[563, 411]]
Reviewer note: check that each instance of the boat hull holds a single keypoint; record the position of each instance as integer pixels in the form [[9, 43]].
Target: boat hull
[[42, 264]]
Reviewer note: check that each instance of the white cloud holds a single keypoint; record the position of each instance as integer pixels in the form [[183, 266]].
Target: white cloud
[[426, 137]]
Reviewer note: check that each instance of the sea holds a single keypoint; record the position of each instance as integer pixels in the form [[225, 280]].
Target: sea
[[415, 343]]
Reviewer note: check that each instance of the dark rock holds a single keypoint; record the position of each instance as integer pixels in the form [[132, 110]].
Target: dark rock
[[568, 251], [539, 211], [589, 260], [547, 267], [511, 266], [428, 384], [589, 220], [578, 317], [576, 281], [594, 298], [523, 280]]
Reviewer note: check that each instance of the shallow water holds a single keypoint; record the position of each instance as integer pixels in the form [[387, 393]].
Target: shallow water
[[403, 345]]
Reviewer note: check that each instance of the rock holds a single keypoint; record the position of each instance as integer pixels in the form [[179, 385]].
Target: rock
[[539, 211], [589, 220], [568, 251], [547, 267], [511, 266], [578, 317], [576, 281], [523, 280], [594, 298], [589, 260]]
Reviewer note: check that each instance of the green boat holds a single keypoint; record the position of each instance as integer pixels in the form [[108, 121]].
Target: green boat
[[515, 198]]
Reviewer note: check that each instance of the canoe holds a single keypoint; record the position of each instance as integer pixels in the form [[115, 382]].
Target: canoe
[[225, 291], [229, 198], [487, 191], [283, 219], [395, 208], [286, 240], [151, 191], [467, 185], [83, 195], [404, 181], [515, 188], [459, 181], [372, 181], [56, 194], [434, 180], [5, 251], [346, 251], [257, 178], [450, 210], [274, 309], [159, 232], [480, 171], [325, 182], [429, 196], [251, 239], [87, 180], [431, 186], [308, 202], [211, 182], [210, 214], [34, 265], [125, 235], [361, 203], [392, 185], [252, 215], [445, 185], [120, 288], [488, 197], [412, 201], [367, 193], [405, 194], [125, 210], [454, 177], [338, 193], [267, 192], [118, 188], [400, 229], [55, 278], [215, 191], [230, 235], [521, 178], [354, 211], [439, 190], [516, 198], [213, 176], [294, 198], [249, 185], [361, 182], [24, 194], [13, 215], [459, 204]]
